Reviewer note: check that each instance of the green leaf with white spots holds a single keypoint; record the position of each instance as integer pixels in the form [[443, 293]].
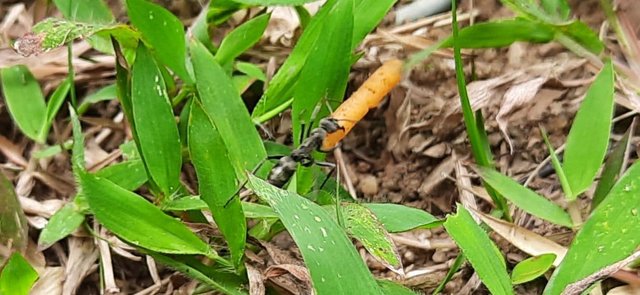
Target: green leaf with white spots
[[611, 234], [362, 224], [333, 262]]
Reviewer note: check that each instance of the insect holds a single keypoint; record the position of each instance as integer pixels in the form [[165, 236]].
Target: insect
[[335, 127]]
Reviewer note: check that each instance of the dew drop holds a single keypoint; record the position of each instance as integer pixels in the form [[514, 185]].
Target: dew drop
[[317, 219], [324, 232], [600, 249], [310, 247], [634, 212]]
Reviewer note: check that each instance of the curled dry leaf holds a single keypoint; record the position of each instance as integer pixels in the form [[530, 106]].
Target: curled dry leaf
[[49, 281], [517, 96], [82, 261], [284, 22], [256, 280]]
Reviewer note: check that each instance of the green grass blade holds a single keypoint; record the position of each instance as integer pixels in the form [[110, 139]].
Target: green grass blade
[[366, 15], [18, 276], [481, 252], [612, 169], [582, 34], [105, 93], [362, 224], [273, 2], [129, 175], [163, 31], [14, 227], [137, 221], [53, 105], [241, 38], [64, 222], [557, 166], [90, 11], [391, 287], [592, 124], [217, 180], [158, 138], [334, 264], [24, 100], [399, 218], [524, 198], [502, 33], [531, 268], [611, 234], [225, 282], [325, 73], [559, 9], [225, 107]]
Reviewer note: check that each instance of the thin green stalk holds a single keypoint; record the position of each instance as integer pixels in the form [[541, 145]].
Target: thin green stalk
[[475, 137], [72, 75], [270, 114]]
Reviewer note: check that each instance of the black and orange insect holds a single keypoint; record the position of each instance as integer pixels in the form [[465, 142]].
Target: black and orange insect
[[335, 127]]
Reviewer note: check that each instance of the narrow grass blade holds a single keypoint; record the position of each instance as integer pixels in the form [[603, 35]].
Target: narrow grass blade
[[105, 93], [241, 38], [273, 2], [129, 175], [531, 268], [524, 198], [483, 254], [361, 224], [13, 225], [582, 34], [612, 169], [611, 234], [222, 102], [158, 138], [334, 264], [18, 276], [163, 31], [251, 70], [217, 180], [560, 9], [225, 282], [592, 124], [53, 105], [24, 100], [399, 218], [557, 166], [391, 287]]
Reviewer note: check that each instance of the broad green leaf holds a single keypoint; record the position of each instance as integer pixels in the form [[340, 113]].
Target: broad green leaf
[[17, 276], [129, 175], [583, 35], [531, 268], [589, 135], [502, 33], [225, 282], [558, 8], [391, 287], [361, 224], [24, 100], [77, 155], [163, 32], [105, 93], [611, 234], [13, 225], [333, 262], [251, 70], [222, 103], [89, 11], [612, 169], [529, 10], [524, 198], [199, 29], [481, 252], [366, 14], [217, 180], [399, 218], [158, 138], [137, 221], [64, 222], [241, 38]]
